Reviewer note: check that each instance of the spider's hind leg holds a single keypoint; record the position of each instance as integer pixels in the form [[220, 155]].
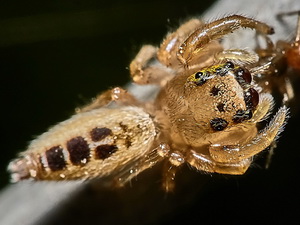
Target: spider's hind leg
[[117, 94]]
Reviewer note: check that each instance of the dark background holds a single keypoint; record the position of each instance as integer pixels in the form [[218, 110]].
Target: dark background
[[56, 56]]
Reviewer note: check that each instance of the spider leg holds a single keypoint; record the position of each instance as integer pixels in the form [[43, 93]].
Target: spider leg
[[214, 30], [174, 160], [169, 47], [146, 69], [263, 108], [118, 95], [240, 56], [236, 153], [158, 65], [169, 173], [127, 173], [206, 163], [237, 56]]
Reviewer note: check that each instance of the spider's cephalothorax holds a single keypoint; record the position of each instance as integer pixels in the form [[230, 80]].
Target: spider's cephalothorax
[[216, 98], [206, 114]]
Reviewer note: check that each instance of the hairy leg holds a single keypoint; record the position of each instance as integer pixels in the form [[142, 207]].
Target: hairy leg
[[240, 56], [169, 173], [214, 30], [263, 108], [146, 69], [205, 163], [119, 95], [237, 153], [214, 54], [131, 171], [158, 65], [174, 159], [169, 47]]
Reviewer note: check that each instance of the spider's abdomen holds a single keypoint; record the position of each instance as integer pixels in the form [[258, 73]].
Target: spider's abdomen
[[89, 144]]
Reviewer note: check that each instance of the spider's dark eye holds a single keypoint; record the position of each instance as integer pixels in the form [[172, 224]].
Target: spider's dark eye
[[229, 65], [219, 69], [218, 124], [198, 75], [251, 98], [242, 115], [243, 75]]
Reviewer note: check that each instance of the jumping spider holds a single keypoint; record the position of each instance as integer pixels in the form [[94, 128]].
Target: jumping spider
[[205, 114]]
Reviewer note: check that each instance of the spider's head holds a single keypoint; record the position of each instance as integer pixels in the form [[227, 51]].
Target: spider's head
[[221, 96]]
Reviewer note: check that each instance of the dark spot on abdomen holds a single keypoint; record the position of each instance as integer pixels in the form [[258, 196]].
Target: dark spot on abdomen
[[105, 151], [79, 150], [97, 134], [55, 158]]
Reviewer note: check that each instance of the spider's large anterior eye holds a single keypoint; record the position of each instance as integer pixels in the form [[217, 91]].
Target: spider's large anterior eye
[[200, 78], [229, 65], [198, 75]]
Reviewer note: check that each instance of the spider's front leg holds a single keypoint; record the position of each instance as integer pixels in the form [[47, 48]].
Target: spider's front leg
[[168, 49], [237, 153], [146, 69], [199, 39], [157, 65]]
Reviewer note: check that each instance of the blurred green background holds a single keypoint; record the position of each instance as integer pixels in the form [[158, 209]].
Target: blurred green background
[[57, 55]]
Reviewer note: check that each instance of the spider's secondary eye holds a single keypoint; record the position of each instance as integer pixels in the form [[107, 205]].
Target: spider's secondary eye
[[243, 75], [200, 78], [229, 65], [219, 69], [242, 115], [198, 75], [218, 124], [251, 98]]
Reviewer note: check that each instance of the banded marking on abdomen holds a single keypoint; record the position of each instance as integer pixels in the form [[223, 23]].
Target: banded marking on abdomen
[[98, 134], [78, 151], [55, 158], [105, 151]]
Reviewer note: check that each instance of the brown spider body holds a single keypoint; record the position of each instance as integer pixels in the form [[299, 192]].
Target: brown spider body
[[206, 115]]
